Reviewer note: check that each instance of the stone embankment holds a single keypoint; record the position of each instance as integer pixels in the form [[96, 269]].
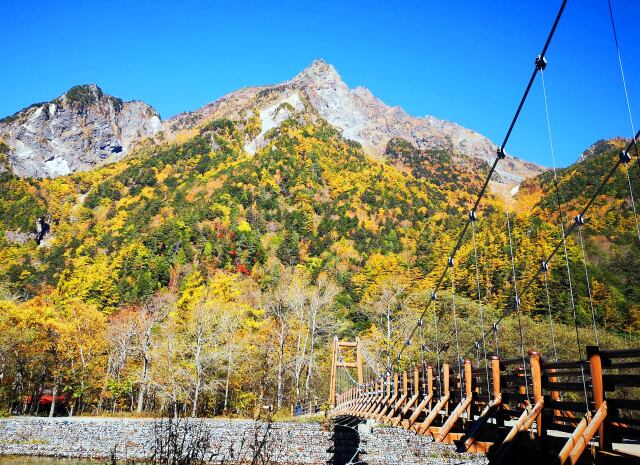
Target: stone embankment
[[230, 441]]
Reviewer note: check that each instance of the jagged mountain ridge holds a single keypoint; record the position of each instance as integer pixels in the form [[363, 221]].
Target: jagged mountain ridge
[[82, 129], [85, 128], [360, 116]]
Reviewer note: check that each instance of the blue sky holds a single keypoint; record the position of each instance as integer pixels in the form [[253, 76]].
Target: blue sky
[[465, 61]]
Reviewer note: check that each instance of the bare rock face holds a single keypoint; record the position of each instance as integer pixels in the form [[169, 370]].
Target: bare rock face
[[359, 114], [78, 131]]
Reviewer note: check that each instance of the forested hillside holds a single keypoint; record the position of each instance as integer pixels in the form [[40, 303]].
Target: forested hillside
[[194, 275]]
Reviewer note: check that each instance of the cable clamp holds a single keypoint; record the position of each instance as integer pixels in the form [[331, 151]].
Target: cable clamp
[[472, 215], [419, 321], [544, 266], [541, 63], [477, 344], [495, 327], [625, 157], [500, 153], [408, 343], [450, 261], [434, 296], [518, 301], [579, 220]]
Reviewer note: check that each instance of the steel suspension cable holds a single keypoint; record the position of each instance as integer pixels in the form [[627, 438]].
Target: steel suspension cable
[[624, 81], [421, 342], [484, 345], [564, 236], [517, 299], [500, 156], [495, 338], [346, 370], [586, 275], [553, 333], [435, 321], [455, 320], [373, 369], [633, 203], [626, 96], [571, 228]]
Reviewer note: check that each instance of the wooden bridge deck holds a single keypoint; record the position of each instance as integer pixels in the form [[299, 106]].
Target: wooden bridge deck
[[532, 412]]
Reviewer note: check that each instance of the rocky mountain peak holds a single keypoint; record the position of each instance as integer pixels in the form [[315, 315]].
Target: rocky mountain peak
[[77, 131], [359, 114], [318, 72]]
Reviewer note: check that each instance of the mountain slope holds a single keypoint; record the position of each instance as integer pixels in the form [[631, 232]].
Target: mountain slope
[[359, 115], [78, 131]]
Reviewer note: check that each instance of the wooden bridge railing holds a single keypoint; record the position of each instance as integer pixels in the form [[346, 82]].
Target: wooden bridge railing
[[487, 408]]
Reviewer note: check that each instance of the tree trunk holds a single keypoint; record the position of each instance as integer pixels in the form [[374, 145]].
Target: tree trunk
[[228, 380], [280, 366], [307, 381], [143, 383], [198, 376], [53, 399]]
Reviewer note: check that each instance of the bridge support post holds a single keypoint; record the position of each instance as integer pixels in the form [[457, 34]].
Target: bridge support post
[[595, 367], [468, 385], [359, 361], [334, 368], [536, 379], [430, 383], [495, 374]]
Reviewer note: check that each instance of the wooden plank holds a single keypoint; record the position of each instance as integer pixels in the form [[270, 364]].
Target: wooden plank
[[592, 428], [565, 364], [453, 418], [613, 381], [620, 353], [526, 419], [487, 413], [564, 453], [479, 447]]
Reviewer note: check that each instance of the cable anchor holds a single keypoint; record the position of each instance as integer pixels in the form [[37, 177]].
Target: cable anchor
[[625, 157], [541, 63]]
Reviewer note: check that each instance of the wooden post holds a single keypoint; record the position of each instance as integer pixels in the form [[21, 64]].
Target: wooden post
[[430, 383], [416, 381], [405, 383], [595, 367], [359, 361], [445, 383], [495, 372], [536, 379], [334, 367], [497, 390], [468, 385]]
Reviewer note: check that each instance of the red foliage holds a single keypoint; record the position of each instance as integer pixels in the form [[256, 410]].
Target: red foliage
[[241, 268]]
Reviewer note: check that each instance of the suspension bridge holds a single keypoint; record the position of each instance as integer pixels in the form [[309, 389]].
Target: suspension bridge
[[533, 408]]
